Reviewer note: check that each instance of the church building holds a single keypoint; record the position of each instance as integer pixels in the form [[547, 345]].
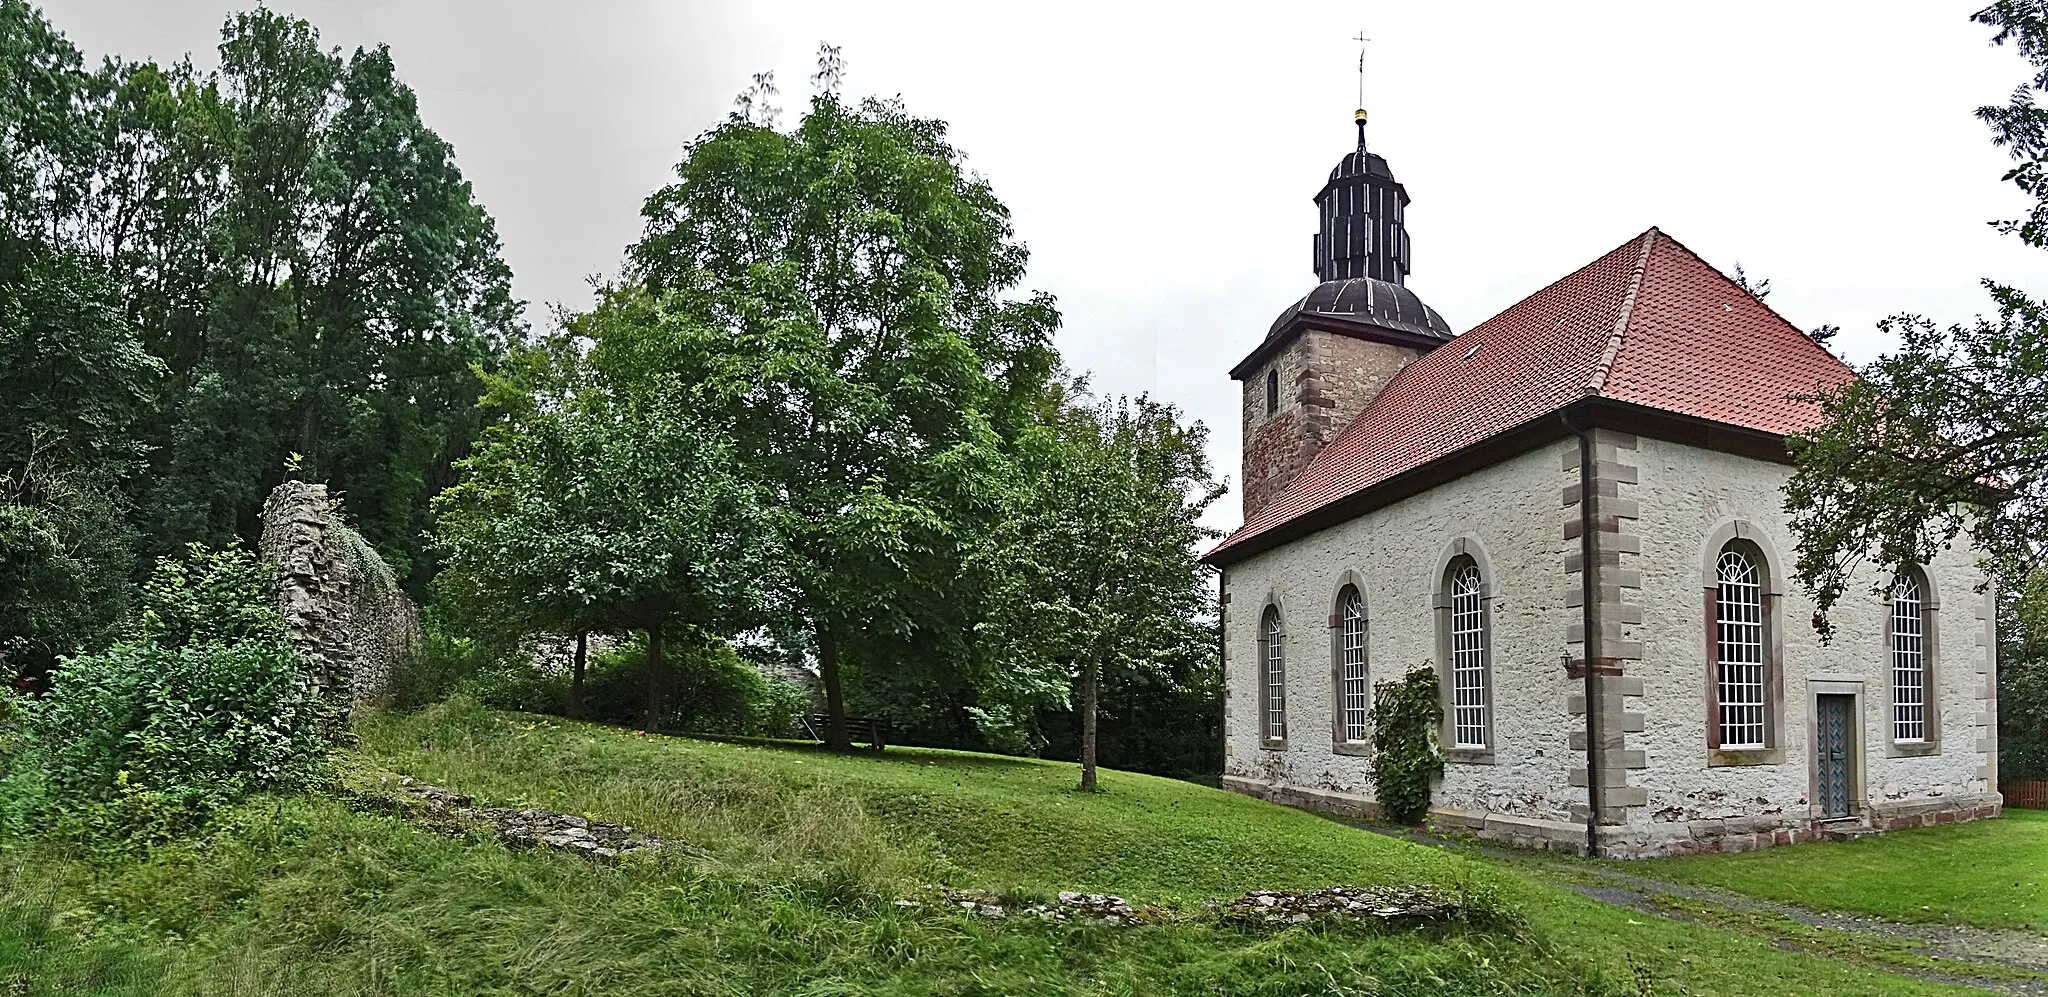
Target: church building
[[1574, 512]]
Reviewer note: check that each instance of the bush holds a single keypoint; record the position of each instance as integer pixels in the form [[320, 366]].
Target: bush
[[780, 710], [1406, 760], [447, 662], [208, 597], [202, 704], [711, 690]]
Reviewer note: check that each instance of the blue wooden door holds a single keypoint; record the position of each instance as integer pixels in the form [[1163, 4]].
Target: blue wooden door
[[1833, 744]]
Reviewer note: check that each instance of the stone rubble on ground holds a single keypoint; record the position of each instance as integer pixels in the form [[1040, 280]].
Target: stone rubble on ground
[[531, 827], [1406, 905], [1415, 904], [1085, 908]]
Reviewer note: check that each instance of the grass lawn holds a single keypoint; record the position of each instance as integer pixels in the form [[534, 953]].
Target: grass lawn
[[780, 878], [1991, 873]]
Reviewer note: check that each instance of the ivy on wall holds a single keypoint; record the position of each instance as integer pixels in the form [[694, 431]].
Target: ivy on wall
[[1406, 759]]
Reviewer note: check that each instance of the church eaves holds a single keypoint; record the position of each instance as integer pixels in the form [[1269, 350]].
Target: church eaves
[[1649, 326]]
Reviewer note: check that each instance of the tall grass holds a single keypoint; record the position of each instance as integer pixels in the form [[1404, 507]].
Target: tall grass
[[781, 876]]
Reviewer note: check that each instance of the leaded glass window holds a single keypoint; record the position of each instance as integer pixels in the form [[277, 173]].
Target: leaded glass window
[[1273, 655], [1739, 624], [1353, 690], [1469, 709], [1909, 662]]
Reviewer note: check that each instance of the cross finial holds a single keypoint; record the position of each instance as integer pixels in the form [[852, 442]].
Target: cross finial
[[1361, 40], [1360, 115]]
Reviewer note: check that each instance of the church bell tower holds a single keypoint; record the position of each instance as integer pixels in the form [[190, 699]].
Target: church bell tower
[[1328, 355]]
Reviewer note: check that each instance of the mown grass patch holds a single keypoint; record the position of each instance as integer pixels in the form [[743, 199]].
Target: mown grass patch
[[1989, 873], [781, 879]]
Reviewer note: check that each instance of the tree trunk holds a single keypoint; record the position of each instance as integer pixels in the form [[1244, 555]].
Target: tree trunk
[[1091, 675], [576, 675], [309, 427], [835, 695], [652, 722]]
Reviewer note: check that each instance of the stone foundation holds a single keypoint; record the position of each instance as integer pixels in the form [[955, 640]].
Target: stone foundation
[[1638, 841]]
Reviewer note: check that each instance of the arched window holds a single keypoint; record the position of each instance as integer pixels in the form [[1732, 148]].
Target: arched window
[[1471, 717], [1354, 696], [1272, 391], [1909, 660], [1740, 665], [1273, 675]]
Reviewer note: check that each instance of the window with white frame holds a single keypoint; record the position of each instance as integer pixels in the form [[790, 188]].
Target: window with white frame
[[1273, 674], [1739, 643], [1353, 691], [1469, 709], [1909, 661]]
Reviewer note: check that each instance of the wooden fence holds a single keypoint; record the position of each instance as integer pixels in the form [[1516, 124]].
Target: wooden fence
[[2030, 795]]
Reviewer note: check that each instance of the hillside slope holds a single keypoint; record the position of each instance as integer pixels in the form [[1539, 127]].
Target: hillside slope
[[781, 877]]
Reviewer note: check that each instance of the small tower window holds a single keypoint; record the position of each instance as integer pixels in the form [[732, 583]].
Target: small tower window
[[1272, 391]]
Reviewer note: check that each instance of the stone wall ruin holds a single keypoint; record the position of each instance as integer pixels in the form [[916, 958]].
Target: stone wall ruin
[[342, 607]]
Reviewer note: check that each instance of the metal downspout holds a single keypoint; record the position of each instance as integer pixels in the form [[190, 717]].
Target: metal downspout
[[1590, 627]]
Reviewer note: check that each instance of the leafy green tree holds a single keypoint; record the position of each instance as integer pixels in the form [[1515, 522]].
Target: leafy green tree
[[1947, 437], [75, 382], [837, 292], [597, 504], [495, 585], [72, 390], [1092, 569], [2023, 681], [290, 240]]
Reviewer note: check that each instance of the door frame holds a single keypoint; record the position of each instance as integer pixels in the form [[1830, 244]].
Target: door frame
[[1852, 688]]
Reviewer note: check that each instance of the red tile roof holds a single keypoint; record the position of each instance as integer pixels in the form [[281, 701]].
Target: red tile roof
[[1649, 324]]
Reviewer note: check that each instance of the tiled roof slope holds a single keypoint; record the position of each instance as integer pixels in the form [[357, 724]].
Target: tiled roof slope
[[1649, 324]]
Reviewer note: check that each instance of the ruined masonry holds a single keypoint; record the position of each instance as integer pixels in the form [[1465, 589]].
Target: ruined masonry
[[342, 608]]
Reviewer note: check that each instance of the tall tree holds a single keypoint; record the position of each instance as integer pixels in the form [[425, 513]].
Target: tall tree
[[1092, 569], [603, 502], [75, 380], [293, 243], [839, 291], [1947, 436], [2023, 680]]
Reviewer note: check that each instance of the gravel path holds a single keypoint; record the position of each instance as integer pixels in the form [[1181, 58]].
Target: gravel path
[[2007, 949]]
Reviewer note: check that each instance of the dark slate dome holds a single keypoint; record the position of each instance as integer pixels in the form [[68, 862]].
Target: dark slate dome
[[1374, 166], [1367, 301]]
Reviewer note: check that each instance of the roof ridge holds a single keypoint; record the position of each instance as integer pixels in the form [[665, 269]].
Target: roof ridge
[[1628, 304], [1776, 315]]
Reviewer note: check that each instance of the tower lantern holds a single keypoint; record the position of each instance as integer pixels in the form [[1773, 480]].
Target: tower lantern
[[1362, 209]]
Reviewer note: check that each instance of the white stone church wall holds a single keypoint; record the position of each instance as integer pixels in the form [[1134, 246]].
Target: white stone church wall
[[1508, 515], [1687, 495]]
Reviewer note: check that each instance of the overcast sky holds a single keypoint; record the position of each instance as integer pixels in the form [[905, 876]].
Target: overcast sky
[[1159, 159]]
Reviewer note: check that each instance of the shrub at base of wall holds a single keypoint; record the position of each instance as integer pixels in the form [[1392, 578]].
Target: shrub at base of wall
[[1406, 760]]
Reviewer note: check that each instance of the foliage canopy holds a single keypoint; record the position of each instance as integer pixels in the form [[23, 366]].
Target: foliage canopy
[[836, 294]]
